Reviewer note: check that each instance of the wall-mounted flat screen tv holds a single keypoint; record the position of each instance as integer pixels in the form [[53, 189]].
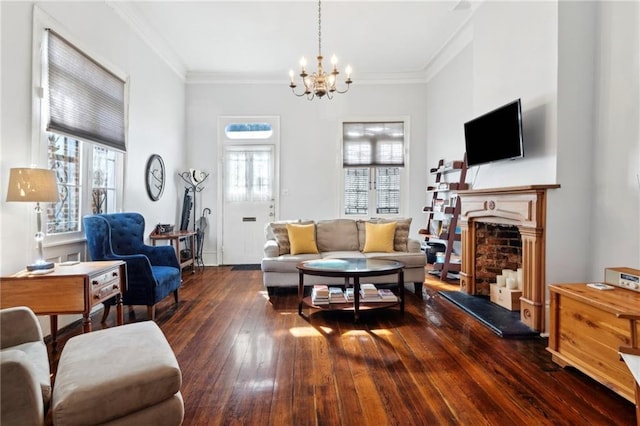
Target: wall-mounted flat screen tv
[[495, 136]]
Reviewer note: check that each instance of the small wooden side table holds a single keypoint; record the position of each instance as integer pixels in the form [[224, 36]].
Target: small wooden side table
[[174, 238], [68, 289]]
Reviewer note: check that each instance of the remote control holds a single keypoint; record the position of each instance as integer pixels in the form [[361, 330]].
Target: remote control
[[600, 286]]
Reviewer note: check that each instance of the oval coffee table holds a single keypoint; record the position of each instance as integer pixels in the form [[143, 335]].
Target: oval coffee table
[[350, 269]]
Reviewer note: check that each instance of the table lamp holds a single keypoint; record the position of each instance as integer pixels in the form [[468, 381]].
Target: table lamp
[[34, 185]]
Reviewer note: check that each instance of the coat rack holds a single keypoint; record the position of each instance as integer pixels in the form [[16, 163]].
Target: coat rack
[[194, 180]]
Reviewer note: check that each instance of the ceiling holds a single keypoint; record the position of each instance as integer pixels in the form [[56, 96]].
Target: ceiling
[[243, 40]]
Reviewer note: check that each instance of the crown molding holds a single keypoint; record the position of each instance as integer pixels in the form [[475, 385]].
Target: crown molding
[[460, 39], [149, 36], [205, 77], [454, 45]]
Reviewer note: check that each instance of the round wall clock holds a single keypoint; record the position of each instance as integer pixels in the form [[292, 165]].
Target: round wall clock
[[155, 177]]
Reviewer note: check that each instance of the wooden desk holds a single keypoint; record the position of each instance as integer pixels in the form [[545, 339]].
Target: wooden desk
[[586, 333], [73, 289], [174, 238]]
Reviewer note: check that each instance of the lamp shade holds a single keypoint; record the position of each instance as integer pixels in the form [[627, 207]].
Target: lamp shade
[[36, 185]]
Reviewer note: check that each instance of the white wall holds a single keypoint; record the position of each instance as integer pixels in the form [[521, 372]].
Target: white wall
[[156, 113], [576, 117], [515, 56], [449, 104], [616, 152], [309, 145]]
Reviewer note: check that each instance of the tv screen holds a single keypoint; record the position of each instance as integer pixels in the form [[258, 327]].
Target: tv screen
[[494, 136]]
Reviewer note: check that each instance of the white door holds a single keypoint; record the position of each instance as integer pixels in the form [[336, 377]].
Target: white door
[[249, 188]]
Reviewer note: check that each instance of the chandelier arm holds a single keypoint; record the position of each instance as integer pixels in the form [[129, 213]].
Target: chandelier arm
[[343, 91], [298, 95]]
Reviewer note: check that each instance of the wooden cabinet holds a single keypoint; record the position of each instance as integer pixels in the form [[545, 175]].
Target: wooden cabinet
[[586, 333], [444, 211]]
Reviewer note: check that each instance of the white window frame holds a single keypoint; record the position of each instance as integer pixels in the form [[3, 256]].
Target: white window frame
[[39, 136], [404, 171]]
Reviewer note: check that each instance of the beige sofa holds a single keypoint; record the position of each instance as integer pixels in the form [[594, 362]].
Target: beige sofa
[[338, 238]]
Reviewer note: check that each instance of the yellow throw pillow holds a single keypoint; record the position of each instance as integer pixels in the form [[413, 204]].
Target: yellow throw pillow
[[302, 238], [379, 237]]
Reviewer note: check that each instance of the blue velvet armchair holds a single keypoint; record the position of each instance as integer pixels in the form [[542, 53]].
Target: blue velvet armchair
[[152, 272]]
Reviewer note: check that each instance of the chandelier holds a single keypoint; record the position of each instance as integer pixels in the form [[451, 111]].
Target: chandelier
[[320, 83]]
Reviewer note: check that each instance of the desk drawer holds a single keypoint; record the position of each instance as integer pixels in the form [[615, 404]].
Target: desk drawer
[[99, 294], [105, 285], [100, 280]]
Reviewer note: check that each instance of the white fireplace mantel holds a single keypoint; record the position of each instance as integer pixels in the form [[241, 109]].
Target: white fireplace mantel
[[524, 207]]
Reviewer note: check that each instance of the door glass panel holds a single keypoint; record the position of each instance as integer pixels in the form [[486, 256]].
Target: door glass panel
[[249, 175]]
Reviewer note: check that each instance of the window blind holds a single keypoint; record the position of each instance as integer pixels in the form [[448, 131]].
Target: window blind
[[388, 190], [373, 144], [85, 100], [356, 191]]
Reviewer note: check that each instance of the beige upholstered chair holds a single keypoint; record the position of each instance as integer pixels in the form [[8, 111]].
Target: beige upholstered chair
[[631, 355], [25, 376]]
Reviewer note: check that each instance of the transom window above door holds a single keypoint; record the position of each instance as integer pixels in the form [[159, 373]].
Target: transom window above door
[[248, 131]]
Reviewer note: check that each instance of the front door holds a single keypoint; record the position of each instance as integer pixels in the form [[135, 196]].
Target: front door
[[248, 193]]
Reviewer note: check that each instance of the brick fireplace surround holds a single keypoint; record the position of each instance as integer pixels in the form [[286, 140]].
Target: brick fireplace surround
[[524, 207]]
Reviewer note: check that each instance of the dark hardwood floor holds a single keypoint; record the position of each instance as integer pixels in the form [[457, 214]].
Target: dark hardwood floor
[[246, 361]]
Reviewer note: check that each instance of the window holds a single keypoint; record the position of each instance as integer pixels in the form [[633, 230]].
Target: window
[[248, 131], [84, 112], [373, 163], [72, 160]]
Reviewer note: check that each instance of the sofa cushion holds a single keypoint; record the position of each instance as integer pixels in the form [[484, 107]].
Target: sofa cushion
[[379, 237], [337, 235], [286, 262], [342, 255], [302, 238], [400, 238], [409, 259]]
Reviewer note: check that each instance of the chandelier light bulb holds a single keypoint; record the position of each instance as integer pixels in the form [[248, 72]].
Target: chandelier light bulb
[[348, 71], [334, 60], [303, 62]]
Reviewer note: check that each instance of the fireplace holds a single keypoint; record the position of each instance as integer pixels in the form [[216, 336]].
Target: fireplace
[[522, 207]]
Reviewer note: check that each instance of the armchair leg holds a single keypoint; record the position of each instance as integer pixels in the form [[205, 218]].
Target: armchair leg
[[105, 313], [151, 312], [175, 295]]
